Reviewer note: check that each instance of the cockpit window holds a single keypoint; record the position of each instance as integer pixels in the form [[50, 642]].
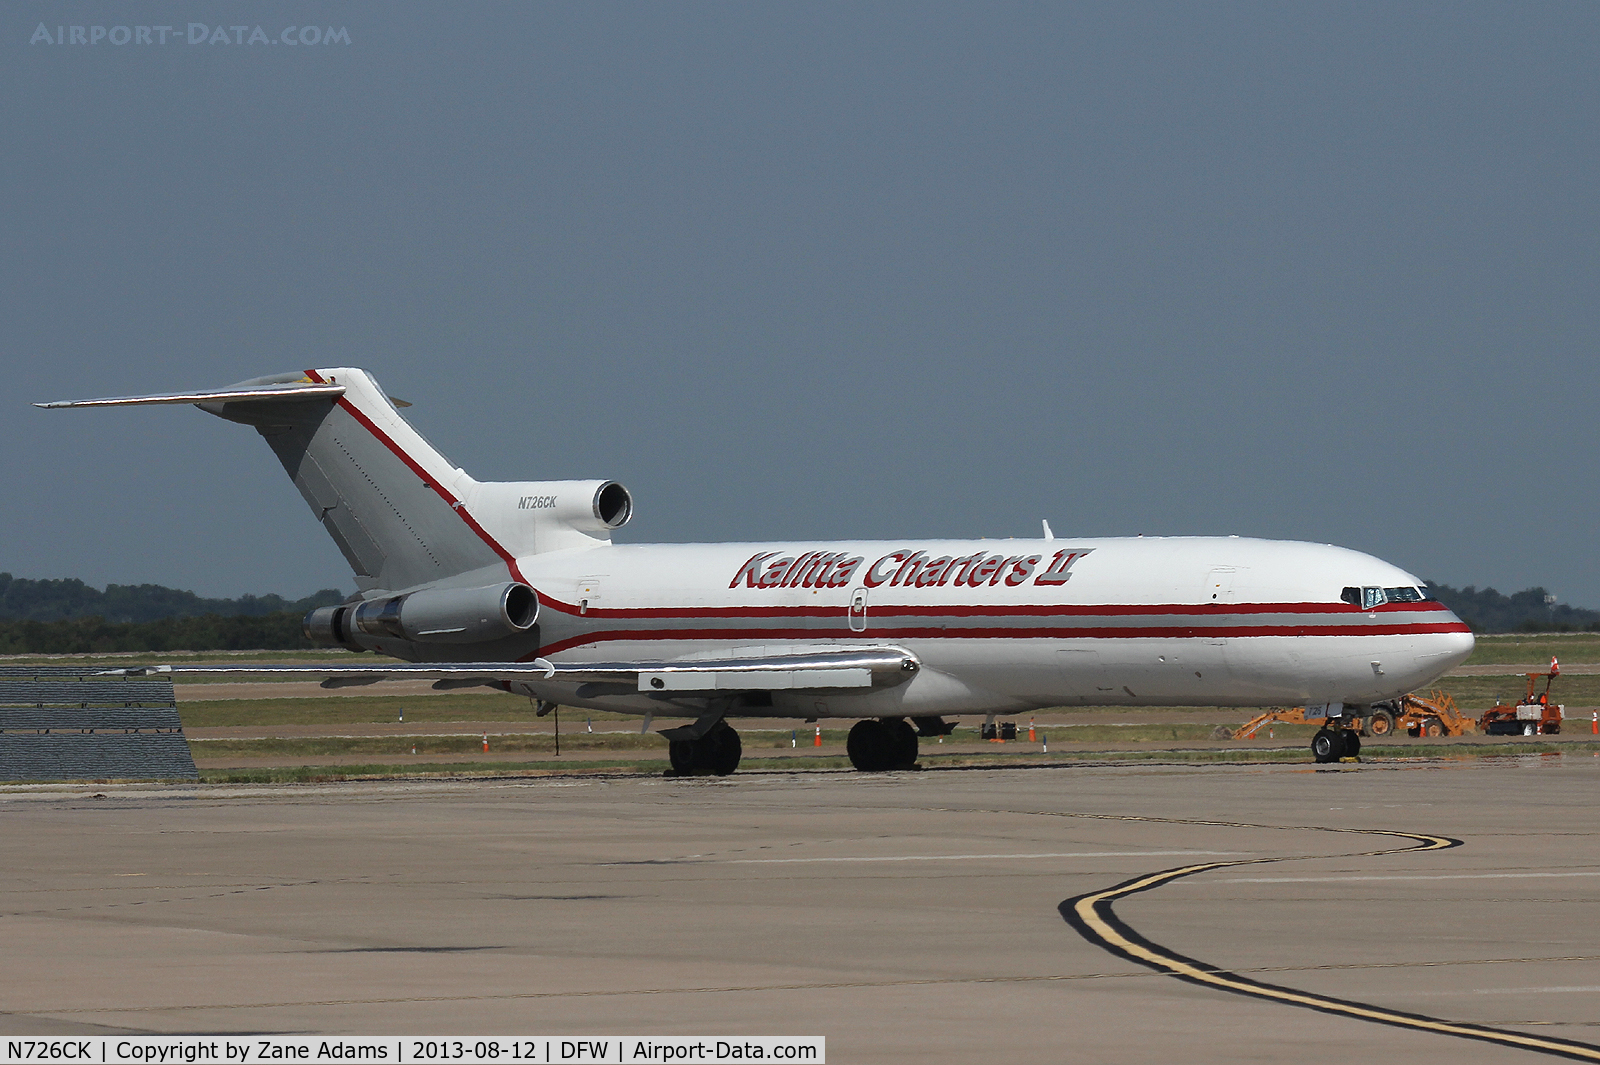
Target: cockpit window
[[1370, 598]]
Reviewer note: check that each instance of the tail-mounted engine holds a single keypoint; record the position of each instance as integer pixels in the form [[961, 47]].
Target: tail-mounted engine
[[432, 615], [532, 517]]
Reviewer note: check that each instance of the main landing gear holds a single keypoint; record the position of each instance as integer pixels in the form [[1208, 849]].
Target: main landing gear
[[714, 754], [878, 745], [1332, 744]]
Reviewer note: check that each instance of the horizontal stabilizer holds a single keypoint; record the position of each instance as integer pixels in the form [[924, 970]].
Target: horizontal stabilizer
[[309, 390]]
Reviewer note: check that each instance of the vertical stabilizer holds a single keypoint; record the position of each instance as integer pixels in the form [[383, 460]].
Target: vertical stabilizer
[[390, 501]]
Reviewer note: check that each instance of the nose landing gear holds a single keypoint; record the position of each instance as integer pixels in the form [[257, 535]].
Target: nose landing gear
[[875, 746], [1332, 744]]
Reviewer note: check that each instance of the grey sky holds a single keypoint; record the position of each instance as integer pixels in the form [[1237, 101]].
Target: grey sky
[[1324, 272]]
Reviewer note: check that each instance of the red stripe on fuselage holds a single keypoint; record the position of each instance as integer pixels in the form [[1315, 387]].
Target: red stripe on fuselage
[[455, 504], [1103, 633], [1002, 610]]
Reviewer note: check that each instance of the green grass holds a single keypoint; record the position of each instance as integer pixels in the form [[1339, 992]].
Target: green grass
[[370, 709], [1140, 733], [314, 773], [1530, 648], [645, 767], [327, 746]]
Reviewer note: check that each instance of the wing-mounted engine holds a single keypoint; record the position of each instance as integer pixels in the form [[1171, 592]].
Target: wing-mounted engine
[[532, 517]]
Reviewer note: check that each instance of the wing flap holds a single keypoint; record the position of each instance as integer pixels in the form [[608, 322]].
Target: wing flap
[[698, 680]]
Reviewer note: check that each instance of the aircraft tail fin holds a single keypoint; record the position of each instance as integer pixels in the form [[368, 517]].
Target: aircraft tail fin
[[398, 510]]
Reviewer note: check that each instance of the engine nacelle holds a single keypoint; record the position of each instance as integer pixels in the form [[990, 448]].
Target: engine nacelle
[[532, 517], [329, 626], [432, 615], [608, 507]]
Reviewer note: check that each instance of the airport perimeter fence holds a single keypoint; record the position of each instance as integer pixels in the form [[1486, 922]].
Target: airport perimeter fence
[[68, 723]]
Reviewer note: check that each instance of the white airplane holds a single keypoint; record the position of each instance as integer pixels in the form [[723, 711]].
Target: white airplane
[[518, 585]]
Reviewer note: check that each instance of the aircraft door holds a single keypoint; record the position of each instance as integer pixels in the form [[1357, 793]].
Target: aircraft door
[[858, 610], [1085, 675]]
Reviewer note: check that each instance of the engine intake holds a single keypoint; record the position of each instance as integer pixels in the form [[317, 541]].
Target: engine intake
[[432, 615], [613, 505]]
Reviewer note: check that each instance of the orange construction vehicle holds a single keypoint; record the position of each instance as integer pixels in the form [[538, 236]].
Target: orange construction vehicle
[[1337, 738], [1535, 715], [1437, 715], [1277, 715]]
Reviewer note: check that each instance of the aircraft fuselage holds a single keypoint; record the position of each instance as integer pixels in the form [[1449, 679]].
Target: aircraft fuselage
[[999, 625]]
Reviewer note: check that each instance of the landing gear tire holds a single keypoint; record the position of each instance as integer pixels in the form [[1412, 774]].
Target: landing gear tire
[[1381, 723], [1327, 745], [716, 753], [876, 746], [726, 750], [867, 745], [903, 740], [1352, 743]]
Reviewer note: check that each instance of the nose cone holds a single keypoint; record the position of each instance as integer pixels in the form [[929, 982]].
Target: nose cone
[[1443, 651]]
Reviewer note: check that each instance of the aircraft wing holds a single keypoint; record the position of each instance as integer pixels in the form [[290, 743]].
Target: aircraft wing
[[861, 668]]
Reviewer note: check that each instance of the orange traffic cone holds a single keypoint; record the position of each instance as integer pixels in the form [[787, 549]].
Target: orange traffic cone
[[1031, 737], [818, 741], [1594, 724], [485, 743]]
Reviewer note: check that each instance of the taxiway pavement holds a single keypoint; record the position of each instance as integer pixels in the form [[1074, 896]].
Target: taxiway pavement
[[911, 917]]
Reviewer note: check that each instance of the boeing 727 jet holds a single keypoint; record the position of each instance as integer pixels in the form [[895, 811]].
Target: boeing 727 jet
[[518, 585]]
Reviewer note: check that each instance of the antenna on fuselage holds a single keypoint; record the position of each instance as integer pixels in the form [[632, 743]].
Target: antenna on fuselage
[[1048, 535]]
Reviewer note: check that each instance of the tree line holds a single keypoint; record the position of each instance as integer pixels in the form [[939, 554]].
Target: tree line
[[209, 632], [70, 617], [1487, 610], [23, 599]]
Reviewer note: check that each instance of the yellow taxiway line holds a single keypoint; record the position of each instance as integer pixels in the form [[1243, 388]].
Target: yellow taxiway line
[[1093, 917]]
